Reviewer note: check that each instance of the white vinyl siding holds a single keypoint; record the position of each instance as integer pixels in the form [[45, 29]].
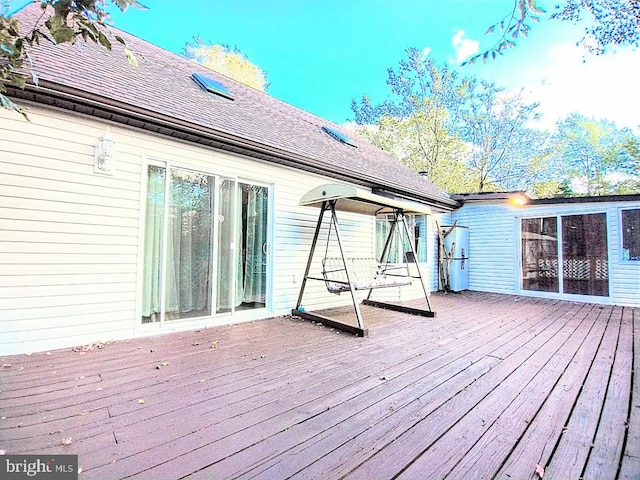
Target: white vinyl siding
[[70, 238], [494, 247]]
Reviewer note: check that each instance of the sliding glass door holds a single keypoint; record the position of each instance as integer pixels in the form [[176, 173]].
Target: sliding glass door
[[571, 259], [242, 240], [189, 247], [205, 248], [253, 236], [584, 255]]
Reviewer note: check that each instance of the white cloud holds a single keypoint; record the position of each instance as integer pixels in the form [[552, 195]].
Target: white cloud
[[464, 47], [426, 51], [603, 87]]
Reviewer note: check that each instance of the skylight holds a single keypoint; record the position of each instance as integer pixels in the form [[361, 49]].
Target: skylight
[[339, 136], [212, 86]]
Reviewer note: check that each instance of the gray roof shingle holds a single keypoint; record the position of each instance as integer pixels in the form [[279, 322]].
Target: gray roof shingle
[[162, 87]]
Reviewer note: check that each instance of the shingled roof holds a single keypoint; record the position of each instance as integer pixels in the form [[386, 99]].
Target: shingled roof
[[159, 95]]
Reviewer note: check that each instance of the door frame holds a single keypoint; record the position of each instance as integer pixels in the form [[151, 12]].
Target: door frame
[[560, 294], [215, 319]]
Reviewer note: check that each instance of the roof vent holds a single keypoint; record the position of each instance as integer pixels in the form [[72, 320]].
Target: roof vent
[[339, 136], [210, 85]]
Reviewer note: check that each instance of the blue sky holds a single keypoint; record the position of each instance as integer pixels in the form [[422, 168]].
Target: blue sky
[[321, 54]]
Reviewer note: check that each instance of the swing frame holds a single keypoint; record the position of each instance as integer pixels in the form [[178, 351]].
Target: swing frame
[[333, 197]]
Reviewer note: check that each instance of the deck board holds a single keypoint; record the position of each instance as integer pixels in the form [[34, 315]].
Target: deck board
[[574, 446], [630, 462], [492, 386], [535, 446], [610, 438]]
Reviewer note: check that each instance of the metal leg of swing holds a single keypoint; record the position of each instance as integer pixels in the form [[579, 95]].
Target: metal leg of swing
[[430, 312], [311, 252], [348, 272], [314, 317], [398, 216]]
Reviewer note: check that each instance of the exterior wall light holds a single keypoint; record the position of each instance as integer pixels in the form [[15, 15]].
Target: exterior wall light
[[518, 200], [104, 155]]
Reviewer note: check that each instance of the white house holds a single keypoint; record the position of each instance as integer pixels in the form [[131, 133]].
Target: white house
[[162, 197]]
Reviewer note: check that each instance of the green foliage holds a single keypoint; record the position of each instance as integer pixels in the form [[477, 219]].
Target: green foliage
[[463, 135], [515, 24], [423, 144], [548, 189], [613, 22], [61, 21], [503, 149], [227, 60], [417, 125], [598, 158]]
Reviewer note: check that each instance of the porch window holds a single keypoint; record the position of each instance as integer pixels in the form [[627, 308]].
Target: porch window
[[400, 251], [540, 254], [584, 254], [630, 235]]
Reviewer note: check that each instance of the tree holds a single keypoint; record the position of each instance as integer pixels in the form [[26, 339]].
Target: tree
[[598, 158], [228, 61], [613, 23], [465, 136], [631, 165], [422, 143], [62, 21], [504, 150], [417, 125]]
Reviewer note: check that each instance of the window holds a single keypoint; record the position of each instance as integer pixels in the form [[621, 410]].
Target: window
[[339, 136], [631, 235], [539, 238], [211, 85], [400, 251]]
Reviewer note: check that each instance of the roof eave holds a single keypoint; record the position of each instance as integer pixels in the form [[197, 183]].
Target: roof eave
[[56, 95]]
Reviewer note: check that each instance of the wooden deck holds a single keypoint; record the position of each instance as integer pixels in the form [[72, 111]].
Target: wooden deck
[[490, 388]]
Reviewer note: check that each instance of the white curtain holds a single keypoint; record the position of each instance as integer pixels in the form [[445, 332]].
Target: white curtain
[[241, 244], [189, 243], [227, 224], [256, 203], [151, 285]]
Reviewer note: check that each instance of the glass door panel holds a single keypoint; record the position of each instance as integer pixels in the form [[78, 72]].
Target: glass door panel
[[205, 245], [227, 251], [540, 254], [189, 245], [584, 255], [154, 228], [252, 237]]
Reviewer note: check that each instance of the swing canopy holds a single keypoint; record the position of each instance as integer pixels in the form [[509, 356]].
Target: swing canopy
[[357, 200]]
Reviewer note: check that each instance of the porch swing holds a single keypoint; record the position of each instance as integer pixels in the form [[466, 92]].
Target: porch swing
[[343, 274]]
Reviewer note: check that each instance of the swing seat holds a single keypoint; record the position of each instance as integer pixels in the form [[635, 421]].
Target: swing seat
[[368, 274]]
